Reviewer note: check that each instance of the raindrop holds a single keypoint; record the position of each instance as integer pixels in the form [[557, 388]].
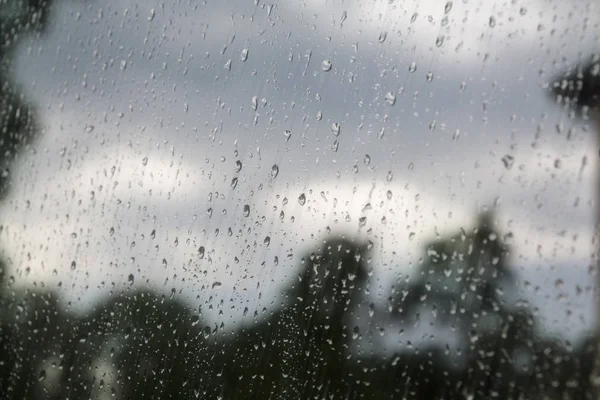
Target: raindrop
[[439, 41], [130, 279], [42, 375], [319, 115], [145, 161], [362, 221], [429, 76], [412, 67], [238, 166], [367, 159], [123, 65], [389, 176], [267, 241], [234, 183], [523, 11], [336, 128], [448, 7], [287, 134], [73, 265], [216, 284], [492, 21], [302, 199], [390, 98], [382, 36], [274, 171], [326, 65], [343, 18], [254, 103], [244, 55], [508, 161], [227, 65], [246, 210]]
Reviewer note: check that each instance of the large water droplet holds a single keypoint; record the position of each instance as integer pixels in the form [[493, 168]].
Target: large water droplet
[[274, 171], [244, 55], [227, 65], [336, 128], [302, 199], [448, 7], [508, 161], [254, 103], [412, 67], [439, 41], [326, 65], [246, 212], [382, 36], [390, 98]]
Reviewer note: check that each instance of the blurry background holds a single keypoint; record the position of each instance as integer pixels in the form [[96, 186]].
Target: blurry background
[[201, 151]]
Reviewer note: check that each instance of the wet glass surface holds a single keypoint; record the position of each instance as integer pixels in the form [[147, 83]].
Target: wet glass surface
[[312, 199]]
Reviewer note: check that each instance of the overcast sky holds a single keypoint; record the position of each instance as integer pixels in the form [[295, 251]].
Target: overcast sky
[[147, 108]]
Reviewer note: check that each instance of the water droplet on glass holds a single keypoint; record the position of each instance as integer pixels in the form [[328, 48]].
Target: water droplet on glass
[[287, 134], [439, 41], [254, 103], [274, 171], [267, 241], [234, 183], [216, 284], [389, 176], [123, 65], [508, 161], [201, 252], [412, 67], [73, 265], [326, 65], [429, 76], [382, 36], [246, 212], [302, 199], [390, 98], [448, 7], [244, 55], [227, 65], [319, 115], [42, 375], [367, 159], [523, 11], [492, 21], [343, 18], [238, 166], [336, 128], [130, 279], [414, 17]]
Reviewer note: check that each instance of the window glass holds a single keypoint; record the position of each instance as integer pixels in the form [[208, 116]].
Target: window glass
[[316, 199]]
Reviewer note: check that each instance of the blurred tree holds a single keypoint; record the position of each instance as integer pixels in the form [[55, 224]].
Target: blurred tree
[[578, 91], [301, 351], [155, 348]]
